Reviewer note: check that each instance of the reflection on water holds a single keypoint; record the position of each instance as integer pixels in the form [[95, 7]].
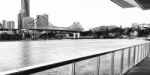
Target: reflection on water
[[25, 54]]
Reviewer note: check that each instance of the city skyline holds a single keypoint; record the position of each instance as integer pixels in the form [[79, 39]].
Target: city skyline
[[90, 13]]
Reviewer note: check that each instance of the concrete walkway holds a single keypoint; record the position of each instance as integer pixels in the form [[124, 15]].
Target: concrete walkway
[[141, 69]]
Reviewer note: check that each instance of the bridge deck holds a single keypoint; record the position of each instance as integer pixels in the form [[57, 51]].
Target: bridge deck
[[142, 68]]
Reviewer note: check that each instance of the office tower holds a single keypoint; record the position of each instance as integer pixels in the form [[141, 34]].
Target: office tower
[[21, 15], [4, 24], [19, 21], [24, 12], [42, 21], [25, 4], [1, 26], [8, 25], [13, 24], [28, 23]]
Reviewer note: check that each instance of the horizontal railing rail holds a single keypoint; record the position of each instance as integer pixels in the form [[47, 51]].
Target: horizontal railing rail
[[120, 61]]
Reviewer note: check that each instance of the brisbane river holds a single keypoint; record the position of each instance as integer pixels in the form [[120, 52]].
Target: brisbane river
[[15, 55]]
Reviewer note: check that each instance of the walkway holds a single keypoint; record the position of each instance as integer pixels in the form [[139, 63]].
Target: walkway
[[141, 69]]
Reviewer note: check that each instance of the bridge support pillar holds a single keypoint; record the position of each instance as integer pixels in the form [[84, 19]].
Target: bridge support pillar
[[76, 35], [67, 35], [23, 36]]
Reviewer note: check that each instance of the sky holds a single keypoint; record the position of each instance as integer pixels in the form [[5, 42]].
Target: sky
[[90, 13]]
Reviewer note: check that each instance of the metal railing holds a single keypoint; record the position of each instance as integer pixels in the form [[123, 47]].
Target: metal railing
[[116, 62]]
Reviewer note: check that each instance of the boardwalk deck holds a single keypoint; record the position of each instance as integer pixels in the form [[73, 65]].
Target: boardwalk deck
[[142, 68]]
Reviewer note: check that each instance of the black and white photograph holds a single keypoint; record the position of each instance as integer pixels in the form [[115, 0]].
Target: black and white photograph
[[75, 37]]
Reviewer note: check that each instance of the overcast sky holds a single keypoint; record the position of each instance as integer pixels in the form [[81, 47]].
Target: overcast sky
[[90, 13]]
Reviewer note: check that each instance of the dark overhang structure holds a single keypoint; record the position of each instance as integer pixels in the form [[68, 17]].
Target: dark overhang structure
[[123, 3], [143, 4]]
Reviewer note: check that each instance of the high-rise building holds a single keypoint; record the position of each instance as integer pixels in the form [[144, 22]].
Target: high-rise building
[[13, 24], [10, 24], [24, 12], [1, 26], [21, 15], [25, 4], [4, 24], [19, 21], [28, 23], [42, 21]]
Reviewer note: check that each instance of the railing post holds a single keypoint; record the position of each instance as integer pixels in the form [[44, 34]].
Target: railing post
[[129, 55], [121, 63], [138, 53], [73, 68], [98, 66], [112, 63], [149, 49], [145, 50], [141, 52], [134, 55]]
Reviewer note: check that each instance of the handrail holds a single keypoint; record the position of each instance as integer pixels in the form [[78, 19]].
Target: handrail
[[144, 48]]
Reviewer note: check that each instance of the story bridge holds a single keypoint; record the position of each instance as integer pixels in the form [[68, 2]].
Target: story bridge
[[46, 26]]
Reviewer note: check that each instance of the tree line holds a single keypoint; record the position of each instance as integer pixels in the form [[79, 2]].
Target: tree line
[[116, 32]]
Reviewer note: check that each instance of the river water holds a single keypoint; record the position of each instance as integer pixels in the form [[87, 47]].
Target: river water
[[20, 54]]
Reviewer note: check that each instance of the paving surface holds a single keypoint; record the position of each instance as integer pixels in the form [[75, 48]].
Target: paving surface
[[141, 69]]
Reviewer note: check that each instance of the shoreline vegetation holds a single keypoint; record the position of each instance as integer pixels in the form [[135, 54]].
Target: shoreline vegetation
[[102, 32]]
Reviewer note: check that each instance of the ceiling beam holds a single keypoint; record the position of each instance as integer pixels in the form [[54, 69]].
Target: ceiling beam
[[143, 4], [123, 3]]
